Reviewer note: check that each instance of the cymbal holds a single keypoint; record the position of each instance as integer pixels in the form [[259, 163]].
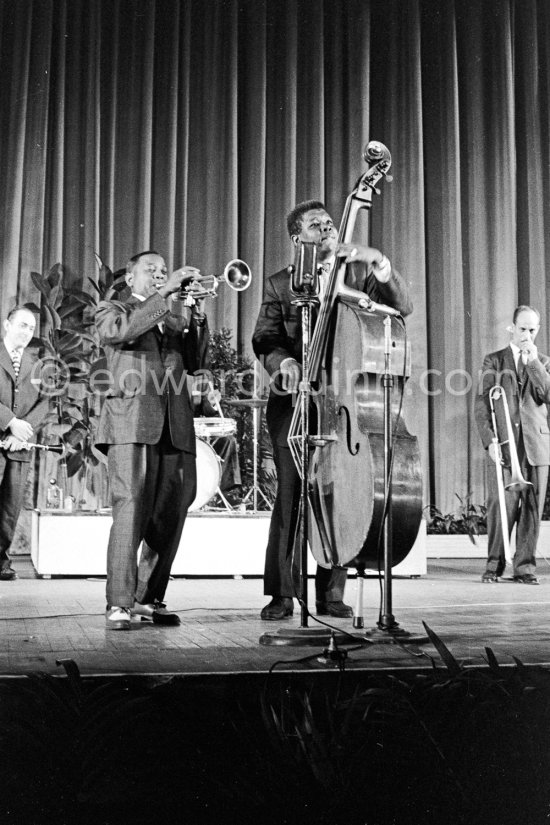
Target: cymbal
[[247, 402]]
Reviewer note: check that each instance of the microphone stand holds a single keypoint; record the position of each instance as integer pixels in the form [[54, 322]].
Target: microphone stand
[[388, 630], [305, 286]]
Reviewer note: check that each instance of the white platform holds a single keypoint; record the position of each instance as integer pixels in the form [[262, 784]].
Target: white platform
[[460, 547], [212, 544]]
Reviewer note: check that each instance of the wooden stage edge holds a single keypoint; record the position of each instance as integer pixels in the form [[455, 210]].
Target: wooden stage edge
[[44, 621]]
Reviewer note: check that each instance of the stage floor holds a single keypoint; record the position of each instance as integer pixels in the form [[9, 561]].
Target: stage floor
[[42, 621]]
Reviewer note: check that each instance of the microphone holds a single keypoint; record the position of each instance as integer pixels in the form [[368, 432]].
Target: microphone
[[371, 306], [304, 275]]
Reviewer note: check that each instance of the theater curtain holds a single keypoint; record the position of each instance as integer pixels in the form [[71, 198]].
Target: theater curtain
[[193, 126]]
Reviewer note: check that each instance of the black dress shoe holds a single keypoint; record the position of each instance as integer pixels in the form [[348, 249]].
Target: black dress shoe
[[278, 608], [337, 609], [526, 578], [489, 577], [8, 574], [157, 612]]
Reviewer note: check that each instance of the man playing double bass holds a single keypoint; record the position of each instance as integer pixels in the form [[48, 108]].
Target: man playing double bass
[[277, 342], [524, 375]]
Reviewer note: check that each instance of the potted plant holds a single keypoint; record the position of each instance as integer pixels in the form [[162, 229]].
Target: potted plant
[[70, 348], [459, 533]]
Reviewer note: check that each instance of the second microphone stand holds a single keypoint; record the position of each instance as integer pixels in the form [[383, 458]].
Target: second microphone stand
[[305, 288], [388, 630]]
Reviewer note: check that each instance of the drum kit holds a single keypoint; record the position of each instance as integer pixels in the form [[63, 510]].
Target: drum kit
[[209, 469], [238, 277]]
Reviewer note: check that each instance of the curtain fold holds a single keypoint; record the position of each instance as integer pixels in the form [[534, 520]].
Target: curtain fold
[[194, 126], [448, 402]]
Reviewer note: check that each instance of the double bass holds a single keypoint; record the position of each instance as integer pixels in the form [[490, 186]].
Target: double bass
[[350, 492]]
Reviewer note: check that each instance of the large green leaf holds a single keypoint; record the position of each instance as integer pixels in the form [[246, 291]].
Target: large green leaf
[[50, 418], [105, 273], [69, 345], [84, 298], [60, 429], [76, 435], [87, 337], [52, 317], [74, 412], [96, 286], [74, 463], [32, 306], [449, 660], [55, 275], [41, 284], [69, 305], [56, 295], [68, 336], [48, 346]]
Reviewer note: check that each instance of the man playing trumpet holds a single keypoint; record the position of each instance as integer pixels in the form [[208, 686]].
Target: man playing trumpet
[[146, 430], [524, 376]]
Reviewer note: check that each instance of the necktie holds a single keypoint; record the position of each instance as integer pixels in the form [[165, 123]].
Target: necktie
[[16, 361], [522, 374], [323, 271]]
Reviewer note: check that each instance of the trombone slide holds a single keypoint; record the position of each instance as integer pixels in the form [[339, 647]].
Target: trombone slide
[[502, 503], [517, 482]]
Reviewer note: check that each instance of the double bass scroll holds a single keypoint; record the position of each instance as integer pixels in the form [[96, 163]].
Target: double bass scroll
[[359, 198]]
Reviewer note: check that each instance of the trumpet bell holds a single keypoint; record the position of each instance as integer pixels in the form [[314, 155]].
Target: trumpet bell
[[237, 275]]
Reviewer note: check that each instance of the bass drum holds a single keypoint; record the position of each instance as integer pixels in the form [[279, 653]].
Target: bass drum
[[208, 474]]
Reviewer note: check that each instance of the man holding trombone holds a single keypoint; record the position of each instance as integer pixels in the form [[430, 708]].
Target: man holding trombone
[[511, 412]]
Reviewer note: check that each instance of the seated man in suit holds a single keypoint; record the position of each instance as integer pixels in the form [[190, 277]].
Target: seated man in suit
[[22, 409]]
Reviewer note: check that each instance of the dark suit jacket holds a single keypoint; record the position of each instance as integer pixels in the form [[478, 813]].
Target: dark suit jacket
[[528, 405], [21, 398], [146, 372], [278, 333]]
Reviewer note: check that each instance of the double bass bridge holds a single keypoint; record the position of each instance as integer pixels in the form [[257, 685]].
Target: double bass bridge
[[320, 440]]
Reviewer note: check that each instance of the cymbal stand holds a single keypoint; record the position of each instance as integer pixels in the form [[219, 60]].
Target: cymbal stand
[[256, 403]]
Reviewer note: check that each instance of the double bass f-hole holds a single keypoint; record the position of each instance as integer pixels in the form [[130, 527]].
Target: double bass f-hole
[[352, 450]]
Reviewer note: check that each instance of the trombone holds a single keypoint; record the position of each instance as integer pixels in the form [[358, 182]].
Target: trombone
[[236, 275], [517, 482]]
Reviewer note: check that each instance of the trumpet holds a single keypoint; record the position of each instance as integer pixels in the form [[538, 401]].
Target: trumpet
[[517, 481], [236, 275]]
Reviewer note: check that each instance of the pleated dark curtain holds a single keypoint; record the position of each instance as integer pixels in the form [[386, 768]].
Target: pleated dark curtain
[[192, 127]]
